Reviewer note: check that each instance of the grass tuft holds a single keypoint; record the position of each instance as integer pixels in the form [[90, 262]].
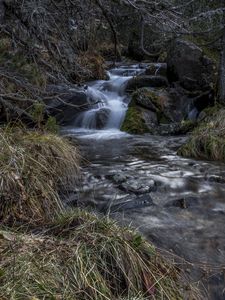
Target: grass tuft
[[80, 256], [208, 139], [34, 166]]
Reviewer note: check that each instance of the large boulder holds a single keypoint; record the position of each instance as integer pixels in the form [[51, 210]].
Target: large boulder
[[145, 81], [67, 103], [161, 101], [187, 64]]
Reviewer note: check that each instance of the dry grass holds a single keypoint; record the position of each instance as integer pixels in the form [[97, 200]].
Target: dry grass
[[208, 140], [82, 257], [33, 166]]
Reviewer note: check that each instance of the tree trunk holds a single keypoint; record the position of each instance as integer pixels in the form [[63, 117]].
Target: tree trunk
[[221, 87]]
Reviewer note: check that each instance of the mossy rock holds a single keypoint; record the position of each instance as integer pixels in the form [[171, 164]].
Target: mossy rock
[[146, 98], [154, 101], [134, 122]]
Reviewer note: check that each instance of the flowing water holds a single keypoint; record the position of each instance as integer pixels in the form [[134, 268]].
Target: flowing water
[[177, 203], [111, 103]]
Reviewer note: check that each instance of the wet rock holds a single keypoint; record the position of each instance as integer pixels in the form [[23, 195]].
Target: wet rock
[[133, 186], [216, 178], [119, 178], [150, 118], [184, 203], [102, 117], [188, 65], [157, 69], [68, 102], [146, 81]]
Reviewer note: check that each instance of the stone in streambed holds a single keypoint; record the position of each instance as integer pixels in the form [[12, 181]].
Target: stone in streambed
[[133, 186], [101, 118], [184, 203]]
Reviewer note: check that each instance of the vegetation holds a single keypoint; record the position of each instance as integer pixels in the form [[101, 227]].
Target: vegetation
[[208, 139], [79, 256], [34, 166], [46, 250], [134, 122]]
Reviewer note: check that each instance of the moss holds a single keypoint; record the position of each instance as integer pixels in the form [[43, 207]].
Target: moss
[[208, 139], [134, 122]]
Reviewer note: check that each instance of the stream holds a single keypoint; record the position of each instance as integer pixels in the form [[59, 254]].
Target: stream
[[176, 203]]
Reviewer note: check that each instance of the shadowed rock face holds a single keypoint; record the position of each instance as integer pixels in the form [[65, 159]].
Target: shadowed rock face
[[188, 65], [146, 81], [68, 102]]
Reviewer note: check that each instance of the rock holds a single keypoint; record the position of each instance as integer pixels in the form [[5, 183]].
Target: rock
[[102, 117], [133, 186], [184, 203], [157, 69], [216, 178], [146, 81], [159, 101], [203, 100], [150, 118], [67, 103], [119, 178], [146, 98], [188, 65]]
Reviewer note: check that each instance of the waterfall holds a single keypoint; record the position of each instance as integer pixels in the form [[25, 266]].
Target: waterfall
[[110, 101]]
